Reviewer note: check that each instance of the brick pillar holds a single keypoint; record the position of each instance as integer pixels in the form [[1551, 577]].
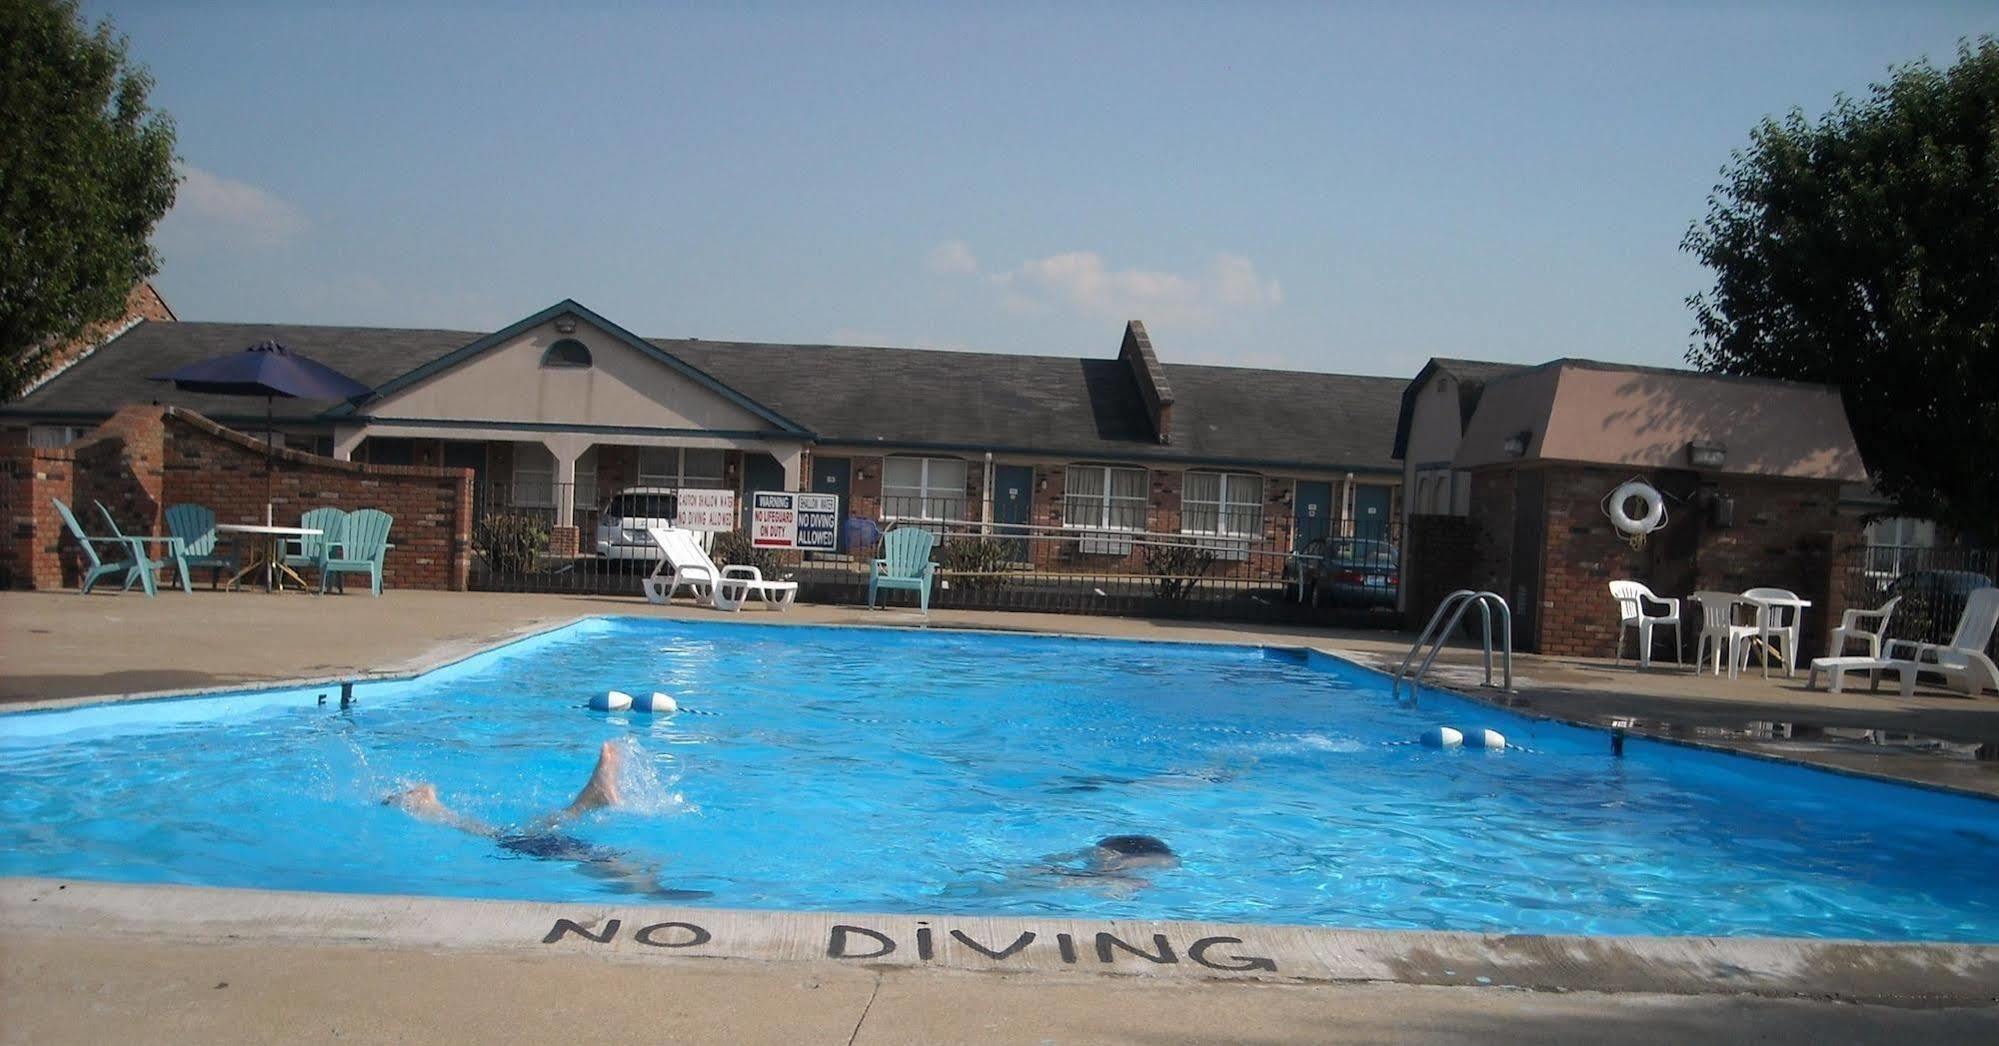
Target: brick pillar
[[562, 541]]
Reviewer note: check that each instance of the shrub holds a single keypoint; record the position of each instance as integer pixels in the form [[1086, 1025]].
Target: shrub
[[1177, 569], [512, 542], [732, 548], [981, 562]]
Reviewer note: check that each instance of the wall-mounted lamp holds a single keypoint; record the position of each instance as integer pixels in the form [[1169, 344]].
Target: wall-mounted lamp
[[1706, 455], [1516, 444], [565, 324]]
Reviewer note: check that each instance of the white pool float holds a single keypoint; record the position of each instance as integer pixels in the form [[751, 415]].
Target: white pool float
[[611, 701], [1491, 740], [655, 702], [1441, 737]]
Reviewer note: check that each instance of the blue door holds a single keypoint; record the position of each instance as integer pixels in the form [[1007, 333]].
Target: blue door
[[1370, 513], [1312, 514], [1013, 499], [760, 472]]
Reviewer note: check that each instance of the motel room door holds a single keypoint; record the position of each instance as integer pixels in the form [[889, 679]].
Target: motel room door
[[832, 476], [1370, 513], [760, 472], [1312, 517], [1013, 498]]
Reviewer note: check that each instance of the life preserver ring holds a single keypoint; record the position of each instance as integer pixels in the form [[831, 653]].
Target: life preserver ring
[[1655, 508]]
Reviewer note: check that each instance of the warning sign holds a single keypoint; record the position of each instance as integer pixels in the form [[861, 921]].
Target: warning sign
[[780, 519]]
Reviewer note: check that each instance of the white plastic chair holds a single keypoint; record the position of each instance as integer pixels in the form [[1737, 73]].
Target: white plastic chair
[[1776, 624], [1718, 630], [1631, 598], [1849, 629], [1963, 664]]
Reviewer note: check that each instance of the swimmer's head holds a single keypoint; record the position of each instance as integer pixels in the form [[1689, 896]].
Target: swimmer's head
[[1135, 846]]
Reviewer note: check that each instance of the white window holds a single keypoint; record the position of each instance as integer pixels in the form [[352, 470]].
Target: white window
[[534, 477], [1101, 497], [1221, 503], [52, 436], [923, 488], [1896, 545], [680, 467]]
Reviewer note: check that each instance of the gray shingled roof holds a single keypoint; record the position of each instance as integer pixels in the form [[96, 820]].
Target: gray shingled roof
[[116, 374], [844, 394]]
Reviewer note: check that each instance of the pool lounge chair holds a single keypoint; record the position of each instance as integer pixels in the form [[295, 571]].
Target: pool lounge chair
[[1963, 663], [724, 588], [194, 525], [905, 563], [95, 566], [363, 548]]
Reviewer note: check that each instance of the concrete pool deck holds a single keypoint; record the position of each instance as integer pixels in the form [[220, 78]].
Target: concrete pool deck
[[98, 962]]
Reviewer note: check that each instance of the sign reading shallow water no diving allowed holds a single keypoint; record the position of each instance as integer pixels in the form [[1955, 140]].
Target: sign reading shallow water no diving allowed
[[780, 519]]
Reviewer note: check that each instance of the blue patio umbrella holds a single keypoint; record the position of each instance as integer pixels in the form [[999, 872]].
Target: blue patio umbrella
[[270, 370]]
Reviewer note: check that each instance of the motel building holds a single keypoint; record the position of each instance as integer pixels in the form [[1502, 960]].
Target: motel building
[[1079, 458]]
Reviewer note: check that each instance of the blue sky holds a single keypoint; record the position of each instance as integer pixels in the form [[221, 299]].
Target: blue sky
[[1341, 187]]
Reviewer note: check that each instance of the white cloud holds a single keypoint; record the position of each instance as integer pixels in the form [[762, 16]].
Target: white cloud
[[230, 213], [951, 258], [1079, 280]]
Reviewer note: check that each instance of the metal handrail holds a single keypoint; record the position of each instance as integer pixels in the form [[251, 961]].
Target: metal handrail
[[1455, 605]]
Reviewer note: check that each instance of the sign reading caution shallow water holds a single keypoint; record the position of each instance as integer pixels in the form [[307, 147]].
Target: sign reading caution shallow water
[[780, 519]]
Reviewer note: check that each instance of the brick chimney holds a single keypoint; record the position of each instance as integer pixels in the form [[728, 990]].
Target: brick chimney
[[1136, 352]]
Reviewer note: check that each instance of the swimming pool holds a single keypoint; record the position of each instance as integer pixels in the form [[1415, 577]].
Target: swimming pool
[[881, 770]]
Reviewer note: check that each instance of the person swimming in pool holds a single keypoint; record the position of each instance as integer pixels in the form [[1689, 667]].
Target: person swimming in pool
[[1116, 865], [539, 839]]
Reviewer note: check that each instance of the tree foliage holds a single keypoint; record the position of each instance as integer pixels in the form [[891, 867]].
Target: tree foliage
[[86, 171], [1862, 250]]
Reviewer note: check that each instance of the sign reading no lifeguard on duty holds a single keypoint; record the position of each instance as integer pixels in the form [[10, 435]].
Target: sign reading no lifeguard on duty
[[785, 520]]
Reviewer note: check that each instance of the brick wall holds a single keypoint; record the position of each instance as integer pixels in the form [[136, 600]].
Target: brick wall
[[1786, 534], [146, 458]]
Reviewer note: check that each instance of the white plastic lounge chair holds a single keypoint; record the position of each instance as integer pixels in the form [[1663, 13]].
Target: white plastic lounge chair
[[725, 588], [1963, 663], [1836, 668], [1776, 624], [1631, 598], [1849, 629], [1718, 630]]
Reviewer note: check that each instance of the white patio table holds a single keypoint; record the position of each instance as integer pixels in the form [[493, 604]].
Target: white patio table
[[270, 553], [1764, 605]]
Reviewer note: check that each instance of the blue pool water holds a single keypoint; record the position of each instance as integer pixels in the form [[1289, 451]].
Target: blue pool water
[[872, 770]]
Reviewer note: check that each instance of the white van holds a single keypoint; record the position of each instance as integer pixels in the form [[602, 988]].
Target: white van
[[624, 520]]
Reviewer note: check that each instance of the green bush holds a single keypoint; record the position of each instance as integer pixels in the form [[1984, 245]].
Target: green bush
[[1177, 569], [732, 548], [980, 562], [512, 542]]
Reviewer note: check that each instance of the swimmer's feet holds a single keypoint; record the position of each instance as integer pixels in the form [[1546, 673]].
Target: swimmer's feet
[[602, 790]]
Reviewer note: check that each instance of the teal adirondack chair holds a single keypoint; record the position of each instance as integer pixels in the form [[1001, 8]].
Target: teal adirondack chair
[[96, 567], [194, 525], [307, 551], [362, 548], [905, 563], [139, 543]]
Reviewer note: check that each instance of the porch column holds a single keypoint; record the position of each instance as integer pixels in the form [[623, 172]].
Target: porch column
[[792, 459], [345, 439], [566, 449]]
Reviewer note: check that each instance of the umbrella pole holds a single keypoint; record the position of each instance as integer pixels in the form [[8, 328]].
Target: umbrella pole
[[270, 451]]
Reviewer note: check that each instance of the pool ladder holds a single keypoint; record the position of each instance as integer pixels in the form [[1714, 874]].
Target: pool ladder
[[1455, 605]]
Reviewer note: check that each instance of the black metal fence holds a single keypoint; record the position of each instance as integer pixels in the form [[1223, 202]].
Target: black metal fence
[[1933, 584], [1218, 562]]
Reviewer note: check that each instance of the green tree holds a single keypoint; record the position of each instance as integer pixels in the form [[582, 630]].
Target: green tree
[[86, 171], [1862, 250]]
